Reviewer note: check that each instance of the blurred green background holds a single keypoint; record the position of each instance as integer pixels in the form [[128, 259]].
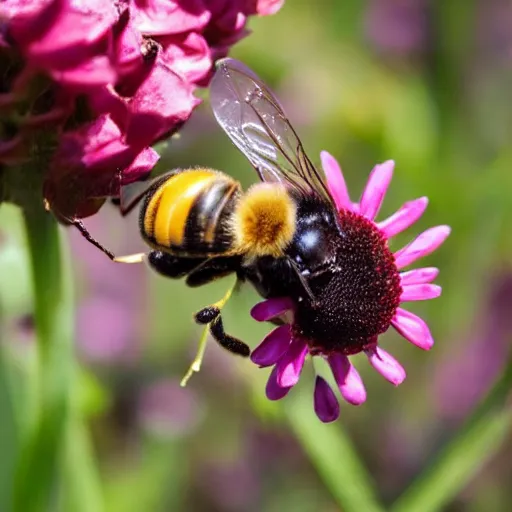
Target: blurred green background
[[421, 82]]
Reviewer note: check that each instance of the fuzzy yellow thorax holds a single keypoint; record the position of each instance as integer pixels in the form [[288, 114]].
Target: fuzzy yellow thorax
[[264, 221]]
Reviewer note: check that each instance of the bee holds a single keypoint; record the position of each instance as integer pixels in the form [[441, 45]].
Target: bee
[[280, 235]]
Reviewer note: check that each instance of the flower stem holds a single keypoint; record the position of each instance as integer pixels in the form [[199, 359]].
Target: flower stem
[[476, 442], [81, 491], [9, 433], [53, 309], [334, 456], [42, 454]]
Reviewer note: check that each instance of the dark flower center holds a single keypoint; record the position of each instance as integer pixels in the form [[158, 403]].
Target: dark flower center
[[356, 296]]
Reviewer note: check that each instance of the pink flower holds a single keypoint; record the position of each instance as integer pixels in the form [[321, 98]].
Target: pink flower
[[371, 297], [90, 85]]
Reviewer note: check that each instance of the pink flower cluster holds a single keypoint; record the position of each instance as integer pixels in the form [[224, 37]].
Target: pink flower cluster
[[90, 85]]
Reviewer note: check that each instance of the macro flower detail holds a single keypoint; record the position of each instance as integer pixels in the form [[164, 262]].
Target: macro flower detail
[[89, 86], [373, 288]]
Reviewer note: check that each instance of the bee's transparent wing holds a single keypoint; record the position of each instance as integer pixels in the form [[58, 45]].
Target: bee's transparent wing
[[254, 120]]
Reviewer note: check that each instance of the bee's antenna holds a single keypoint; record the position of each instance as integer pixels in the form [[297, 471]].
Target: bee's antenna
[[85, 233]]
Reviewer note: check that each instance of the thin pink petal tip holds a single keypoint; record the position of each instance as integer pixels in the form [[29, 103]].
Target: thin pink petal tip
[[271, 308], [423, 245], [273, 346], [404, 217], [348, 379], [413, 329], [326, 404], [419, 276], [289, 367], [386, 365], [335, 181], [414, 292], [273, 390], [376, 189]]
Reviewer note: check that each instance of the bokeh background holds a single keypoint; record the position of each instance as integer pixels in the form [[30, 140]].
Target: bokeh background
[[426, 83]]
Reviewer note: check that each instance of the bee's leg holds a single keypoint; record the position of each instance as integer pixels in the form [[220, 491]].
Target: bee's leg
[[225, 340], [85, 233], [164, 263], [210, 316], [173, 266], [213, 268]]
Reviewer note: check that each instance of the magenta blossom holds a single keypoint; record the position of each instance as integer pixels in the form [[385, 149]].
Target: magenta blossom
[[88, 86], [374, 290]]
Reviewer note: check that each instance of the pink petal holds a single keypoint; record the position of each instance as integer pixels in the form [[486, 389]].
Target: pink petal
[[419, 276], [291, 363], [406, 216], [326, 405], [271, 308], [420, 292], [386, 365], [413, 329], [266, 7], [163, 17], [421, 246], [335, 181], [376, 188], [347, 377], [273, 390], [274, 345]]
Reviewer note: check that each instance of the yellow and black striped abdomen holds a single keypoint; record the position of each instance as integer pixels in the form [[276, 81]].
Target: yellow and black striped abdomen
[[187, 213]]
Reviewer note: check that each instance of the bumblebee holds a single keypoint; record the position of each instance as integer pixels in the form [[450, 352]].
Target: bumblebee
[[281, 235]]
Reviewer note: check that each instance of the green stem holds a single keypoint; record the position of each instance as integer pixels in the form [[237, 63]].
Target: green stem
[[477, 442], [9, 433], [332, 453], [82, 489], [53, 307]]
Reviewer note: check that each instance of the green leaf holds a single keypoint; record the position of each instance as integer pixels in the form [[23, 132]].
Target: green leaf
[[334, 456], [472, 447]]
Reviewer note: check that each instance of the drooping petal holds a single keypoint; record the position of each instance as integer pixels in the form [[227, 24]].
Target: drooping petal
[[412, 328], [273, 346], [326, 405], [273, 390], [271, 308], [347, 377], [376, 188], [419, 276], [335, 181], [404, 217], [420, 292], [290, 365], [421, 246], [386, 365]]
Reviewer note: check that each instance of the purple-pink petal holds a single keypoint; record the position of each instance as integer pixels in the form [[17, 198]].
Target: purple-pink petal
[[290, 365], [386, 365], [419, 276], [335, 181], [273, 346], [420, 292], [421, 246], [326, 405], [273, 390], [376, 188], [348, 379], [412, 328], [271, 308], [404, 217]]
